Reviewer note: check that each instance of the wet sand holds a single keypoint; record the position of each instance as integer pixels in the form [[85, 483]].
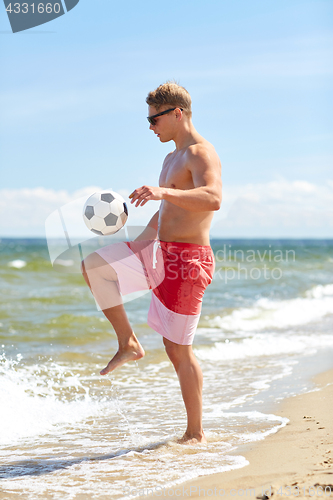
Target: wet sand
[[295, 462]]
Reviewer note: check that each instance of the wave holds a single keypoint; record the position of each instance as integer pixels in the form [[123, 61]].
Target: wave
[[268, 313], [32, 404], [264, 344], [18, 263]]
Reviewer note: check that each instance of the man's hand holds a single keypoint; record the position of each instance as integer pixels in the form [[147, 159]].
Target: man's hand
[[145, 193]]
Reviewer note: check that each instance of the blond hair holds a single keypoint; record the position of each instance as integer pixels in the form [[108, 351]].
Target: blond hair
[[170, 94]]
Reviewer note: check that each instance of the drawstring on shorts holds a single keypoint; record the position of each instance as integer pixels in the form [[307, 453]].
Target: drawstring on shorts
[[156, 246]]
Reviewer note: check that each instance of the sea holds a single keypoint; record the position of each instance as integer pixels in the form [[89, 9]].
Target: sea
[[66, 432]]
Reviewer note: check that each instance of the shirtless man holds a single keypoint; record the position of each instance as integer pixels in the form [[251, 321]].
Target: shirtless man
[[190, 190]]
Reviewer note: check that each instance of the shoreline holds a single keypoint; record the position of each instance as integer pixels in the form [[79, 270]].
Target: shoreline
[[294, 462]]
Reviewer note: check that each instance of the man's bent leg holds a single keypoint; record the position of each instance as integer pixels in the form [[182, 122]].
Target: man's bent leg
[[190, 378], [102, 281]]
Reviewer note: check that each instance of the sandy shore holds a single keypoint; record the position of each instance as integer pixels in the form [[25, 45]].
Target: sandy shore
[[296, 462]]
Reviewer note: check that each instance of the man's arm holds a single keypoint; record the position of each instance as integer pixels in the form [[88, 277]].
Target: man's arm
[[206, 174], [207, 192], [150, 232]]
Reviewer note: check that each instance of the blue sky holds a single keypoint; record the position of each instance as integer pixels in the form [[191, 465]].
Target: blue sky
[[260, 76]]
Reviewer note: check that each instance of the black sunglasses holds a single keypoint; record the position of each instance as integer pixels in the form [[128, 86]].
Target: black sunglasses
[[152, 120]]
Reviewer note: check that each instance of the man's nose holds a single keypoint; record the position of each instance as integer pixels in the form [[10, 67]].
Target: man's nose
[[151, 127]]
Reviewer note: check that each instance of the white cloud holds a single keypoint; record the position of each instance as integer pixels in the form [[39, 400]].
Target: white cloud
[[23, 212], [276, 209]]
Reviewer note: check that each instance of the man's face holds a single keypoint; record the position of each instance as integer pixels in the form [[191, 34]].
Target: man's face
[[165, 125]]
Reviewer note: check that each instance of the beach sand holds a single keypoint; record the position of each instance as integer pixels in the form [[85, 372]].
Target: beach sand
[[295, 462]]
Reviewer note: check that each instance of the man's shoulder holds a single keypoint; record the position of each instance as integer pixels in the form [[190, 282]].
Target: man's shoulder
[[202, 152], [202, 148]]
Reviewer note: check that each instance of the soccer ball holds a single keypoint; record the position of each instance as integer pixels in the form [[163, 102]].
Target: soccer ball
[[105, 213]]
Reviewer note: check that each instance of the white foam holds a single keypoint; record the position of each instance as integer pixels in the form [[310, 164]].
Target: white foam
[[18, 264], [267, 313], [320, 291], [257, 436], [39, 406], [30, 406], [264, 344]]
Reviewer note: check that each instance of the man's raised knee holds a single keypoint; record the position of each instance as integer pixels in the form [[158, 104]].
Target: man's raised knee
[[95, 263]]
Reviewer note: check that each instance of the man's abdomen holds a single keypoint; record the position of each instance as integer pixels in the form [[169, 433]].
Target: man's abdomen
[[177, 224]]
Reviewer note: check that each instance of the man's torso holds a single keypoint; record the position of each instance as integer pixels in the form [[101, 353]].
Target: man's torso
[[176, 223]]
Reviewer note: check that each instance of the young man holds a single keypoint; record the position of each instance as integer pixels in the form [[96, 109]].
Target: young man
[[190, 190]]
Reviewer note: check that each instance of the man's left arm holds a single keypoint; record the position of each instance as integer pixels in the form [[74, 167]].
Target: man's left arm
[[206, 195], [207, 192]]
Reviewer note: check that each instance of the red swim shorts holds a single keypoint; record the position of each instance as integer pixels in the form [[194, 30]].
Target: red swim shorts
[[177, 273]]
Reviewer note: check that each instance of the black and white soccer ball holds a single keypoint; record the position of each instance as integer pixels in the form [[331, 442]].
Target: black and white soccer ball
[[105, 213]]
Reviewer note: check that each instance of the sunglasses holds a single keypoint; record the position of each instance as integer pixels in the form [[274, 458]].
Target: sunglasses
[[152, 120]]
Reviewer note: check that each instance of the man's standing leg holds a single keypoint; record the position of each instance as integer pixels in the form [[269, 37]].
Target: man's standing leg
[[102, 281], [190, 378]]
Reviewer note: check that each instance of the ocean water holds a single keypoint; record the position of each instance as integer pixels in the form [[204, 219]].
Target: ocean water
[[68, 433]]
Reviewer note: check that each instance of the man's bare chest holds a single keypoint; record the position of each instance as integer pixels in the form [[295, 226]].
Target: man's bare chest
[[175, 175]]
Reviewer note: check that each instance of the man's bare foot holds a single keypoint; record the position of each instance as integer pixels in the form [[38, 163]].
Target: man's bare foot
[[192, 439], [123, 355]]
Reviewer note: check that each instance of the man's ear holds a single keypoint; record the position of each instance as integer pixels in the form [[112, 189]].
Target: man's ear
[[179, 114]]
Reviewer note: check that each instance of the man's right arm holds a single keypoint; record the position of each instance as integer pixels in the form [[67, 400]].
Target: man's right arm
[[151, 230]]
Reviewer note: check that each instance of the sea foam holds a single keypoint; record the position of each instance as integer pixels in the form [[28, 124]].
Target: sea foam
[[267, 313], [264, 344], [30, 404], [18, 263]]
